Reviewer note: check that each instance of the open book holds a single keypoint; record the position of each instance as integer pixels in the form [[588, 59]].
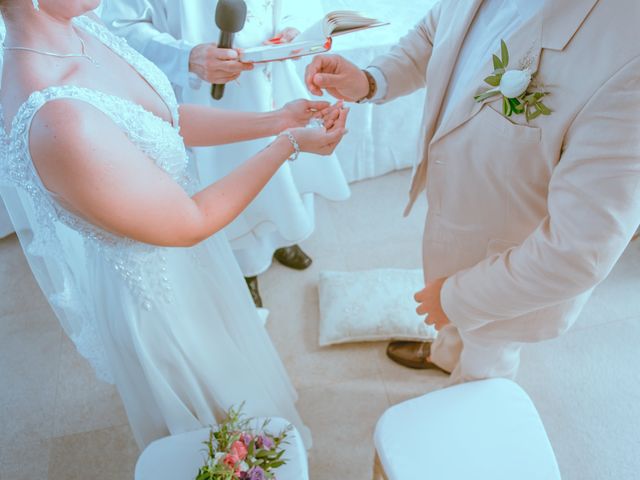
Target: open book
[[316, 39]]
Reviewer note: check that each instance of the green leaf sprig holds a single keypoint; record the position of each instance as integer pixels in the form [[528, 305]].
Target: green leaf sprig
[[231, 430], [530, 102]]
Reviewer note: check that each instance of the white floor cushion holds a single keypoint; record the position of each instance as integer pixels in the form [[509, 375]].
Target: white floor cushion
[[372, 305], [180, 456], [485, 430]]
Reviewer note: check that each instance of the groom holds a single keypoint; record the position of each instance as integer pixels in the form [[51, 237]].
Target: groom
[[527, 213]]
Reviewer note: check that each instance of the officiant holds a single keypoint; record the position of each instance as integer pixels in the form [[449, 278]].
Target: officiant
[[180, 37]]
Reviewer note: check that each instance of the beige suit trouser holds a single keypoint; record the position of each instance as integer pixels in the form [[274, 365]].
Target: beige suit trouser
[[472, 356]]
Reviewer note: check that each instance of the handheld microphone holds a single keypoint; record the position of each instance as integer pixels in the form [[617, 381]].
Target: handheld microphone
[[230, 18]]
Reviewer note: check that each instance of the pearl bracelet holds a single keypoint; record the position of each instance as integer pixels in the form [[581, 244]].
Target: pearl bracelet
[[295, 144]]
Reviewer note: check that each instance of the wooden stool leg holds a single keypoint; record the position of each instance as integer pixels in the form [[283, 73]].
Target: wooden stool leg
[[378, 471]]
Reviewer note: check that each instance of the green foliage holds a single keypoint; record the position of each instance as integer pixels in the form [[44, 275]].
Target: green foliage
[[529, 103], [232, 429], [504, 53]]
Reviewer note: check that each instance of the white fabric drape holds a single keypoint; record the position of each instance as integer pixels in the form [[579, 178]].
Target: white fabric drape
[[6, 227]]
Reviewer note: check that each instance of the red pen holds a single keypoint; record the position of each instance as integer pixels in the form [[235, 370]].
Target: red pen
[[275, 40]]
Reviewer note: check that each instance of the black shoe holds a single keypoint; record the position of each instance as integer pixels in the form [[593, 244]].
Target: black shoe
[[252, 283], [412, 355], [293, 257]]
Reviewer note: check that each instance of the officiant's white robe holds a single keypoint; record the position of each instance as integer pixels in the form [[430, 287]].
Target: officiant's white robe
[[165, 31], [524, 219]]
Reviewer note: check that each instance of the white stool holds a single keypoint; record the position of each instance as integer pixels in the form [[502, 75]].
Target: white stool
[[180, 456], [485, 430]]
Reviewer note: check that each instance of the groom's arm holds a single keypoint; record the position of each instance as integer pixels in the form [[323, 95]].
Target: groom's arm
[[404, 68], [593, 212], [400, 72]]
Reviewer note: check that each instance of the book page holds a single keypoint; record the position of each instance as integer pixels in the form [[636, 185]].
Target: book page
[[315, 32]]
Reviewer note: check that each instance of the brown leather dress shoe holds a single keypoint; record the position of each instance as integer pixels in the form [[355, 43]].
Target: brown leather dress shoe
[[293, 257], [412, 355], [252, 283]]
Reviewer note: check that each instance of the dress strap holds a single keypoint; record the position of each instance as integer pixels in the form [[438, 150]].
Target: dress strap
[[145, 68]]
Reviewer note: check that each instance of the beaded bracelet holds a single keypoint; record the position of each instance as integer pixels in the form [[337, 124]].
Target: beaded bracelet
[[295, 144]]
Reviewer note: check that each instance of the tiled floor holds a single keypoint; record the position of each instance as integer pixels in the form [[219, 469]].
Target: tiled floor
[[58, 422]]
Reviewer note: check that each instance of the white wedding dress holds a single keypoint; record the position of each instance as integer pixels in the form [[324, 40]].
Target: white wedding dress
[[175, 328]]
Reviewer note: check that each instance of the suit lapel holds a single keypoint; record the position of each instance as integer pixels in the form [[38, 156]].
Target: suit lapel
[[439, 72], [550, 29], [441, 66], [524, 45], [562, 19]]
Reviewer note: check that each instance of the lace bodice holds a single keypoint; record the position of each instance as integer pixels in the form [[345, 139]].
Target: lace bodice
[[158, 139]]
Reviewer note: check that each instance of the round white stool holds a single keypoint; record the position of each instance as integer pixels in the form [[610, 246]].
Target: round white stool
[[179, 457], [484, 430]]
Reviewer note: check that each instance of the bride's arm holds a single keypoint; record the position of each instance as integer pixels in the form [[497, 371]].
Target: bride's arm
[[204, 126], [95, 171]]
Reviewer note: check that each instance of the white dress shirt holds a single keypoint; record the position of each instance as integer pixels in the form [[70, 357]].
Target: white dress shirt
[[495, 20]]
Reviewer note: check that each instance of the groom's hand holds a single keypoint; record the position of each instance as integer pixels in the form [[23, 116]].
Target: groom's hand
[[429, 304], [339, 77]]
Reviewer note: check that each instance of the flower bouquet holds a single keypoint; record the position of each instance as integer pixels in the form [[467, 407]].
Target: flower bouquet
[[237, 452]]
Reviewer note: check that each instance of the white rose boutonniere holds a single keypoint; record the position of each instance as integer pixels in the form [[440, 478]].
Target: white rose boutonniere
[[515, 88]]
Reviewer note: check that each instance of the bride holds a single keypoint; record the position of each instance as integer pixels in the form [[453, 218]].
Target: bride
[[93, 145]]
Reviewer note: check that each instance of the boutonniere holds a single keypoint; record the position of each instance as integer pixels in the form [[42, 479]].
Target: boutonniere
[[515, 87]]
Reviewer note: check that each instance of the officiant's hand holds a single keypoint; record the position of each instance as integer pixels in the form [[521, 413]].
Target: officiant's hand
[[216, 65], [341, 78], [430, 304]]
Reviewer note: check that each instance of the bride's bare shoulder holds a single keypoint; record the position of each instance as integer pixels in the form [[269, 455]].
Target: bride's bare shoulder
[[68, 124], [27, 75], [69, 137]]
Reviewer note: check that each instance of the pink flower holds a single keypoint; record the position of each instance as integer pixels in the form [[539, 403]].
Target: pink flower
[[231, 461], [239, 450]]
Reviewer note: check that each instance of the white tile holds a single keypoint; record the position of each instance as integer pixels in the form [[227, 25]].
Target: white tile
[[586, 386], [617, 297], [84, 403], [29, 367], [19, 290], [107, 454], [342, 419], [20, 460]]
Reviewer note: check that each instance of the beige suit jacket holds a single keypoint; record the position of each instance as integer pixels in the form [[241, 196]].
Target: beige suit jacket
[[526, 219]]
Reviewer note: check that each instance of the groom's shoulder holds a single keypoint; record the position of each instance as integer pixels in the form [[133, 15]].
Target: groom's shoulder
[[614, 23]]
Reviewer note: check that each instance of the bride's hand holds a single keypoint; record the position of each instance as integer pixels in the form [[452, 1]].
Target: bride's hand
[[322, 141], [329, 115], [299, 112]]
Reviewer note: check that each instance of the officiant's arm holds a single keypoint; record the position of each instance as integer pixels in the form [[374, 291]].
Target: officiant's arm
[[593, 212], [404, 67], [184, 63], [203, 126], [136, 21]]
